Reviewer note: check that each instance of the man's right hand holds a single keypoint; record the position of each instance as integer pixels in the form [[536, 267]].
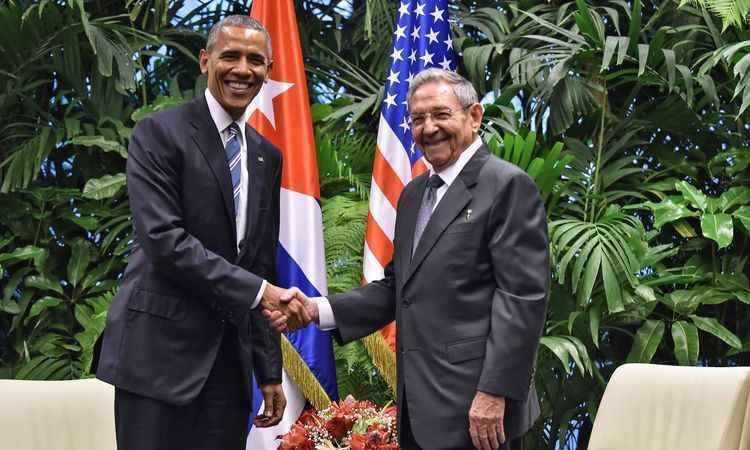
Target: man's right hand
[[289, 317], [289, 313]]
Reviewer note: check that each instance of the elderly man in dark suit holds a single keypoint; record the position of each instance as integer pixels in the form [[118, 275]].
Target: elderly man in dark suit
[[467, 285], [184, 333]]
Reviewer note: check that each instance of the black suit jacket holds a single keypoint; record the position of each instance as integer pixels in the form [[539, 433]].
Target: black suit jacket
[[186, 282], [469, 305]]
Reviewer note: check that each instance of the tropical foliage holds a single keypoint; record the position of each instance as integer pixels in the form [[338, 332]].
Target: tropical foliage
[[630, 116]]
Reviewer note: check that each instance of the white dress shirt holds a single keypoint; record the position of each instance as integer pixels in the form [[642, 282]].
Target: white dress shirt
[[222, 120], [326, 321]]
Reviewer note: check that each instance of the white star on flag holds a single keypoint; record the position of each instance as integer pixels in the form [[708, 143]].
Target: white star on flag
[[409, 78], [420, 10], [405, 125], [393, 77], [396, 55], [413, 56], [415, 33], [445, 64], [263, 102], [449, 42], [400, 32], [432, 36], [427, 58], [390, 99], [403, 10], [437, 14]]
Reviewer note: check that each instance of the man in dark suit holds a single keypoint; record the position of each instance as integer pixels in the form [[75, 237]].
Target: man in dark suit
[[467, 285], [184, 333]]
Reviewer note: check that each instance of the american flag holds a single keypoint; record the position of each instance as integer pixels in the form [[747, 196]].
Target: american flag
[[422, 39]]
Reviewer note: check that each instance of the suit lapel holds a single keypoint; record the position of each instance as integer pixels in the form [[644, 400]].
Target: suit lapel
[[453, 202], [256, 173], [206, 137]]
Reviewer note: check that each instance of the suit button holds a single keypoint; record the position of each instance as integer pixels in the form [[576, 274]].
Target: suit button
[[406, 302]]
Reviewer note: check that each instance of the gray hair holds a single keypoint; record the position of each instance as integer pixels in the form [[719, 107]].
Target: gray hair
[[462, 88], [237, 20]]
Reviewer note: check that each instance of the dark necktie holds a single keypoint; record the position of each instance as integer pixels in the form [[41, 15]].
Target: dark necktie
[[232, 149], [425, 211]]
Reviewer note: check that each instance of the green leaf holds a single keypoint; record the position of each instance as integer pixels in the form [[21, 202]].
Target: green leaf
[[692, 195], [686, 343], [669, 211], [642, 58], [712, 326], [23, 254], [734, 196], [682, 301], [42, 304], [10, 306], [45, 284], [611, 286], [669, 61], [646, 342], [104, 187], [102, 143], [645, 292], [80, 257], [719, 228], [595, 317], [743, 215], [743, 296], [634, 29]]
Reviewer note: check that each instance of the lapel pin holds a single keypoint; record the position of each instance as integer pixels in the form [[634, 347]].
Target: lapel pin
[[468, 215], [260, 158]]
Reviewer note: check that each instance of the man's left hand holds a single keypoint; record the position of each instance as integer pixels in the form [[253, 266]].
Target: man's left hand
[[274, 404], [486, 421]]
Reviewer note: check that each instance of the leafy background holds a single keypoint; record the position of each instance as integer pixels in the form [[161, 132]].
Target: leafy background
[[630, 116]]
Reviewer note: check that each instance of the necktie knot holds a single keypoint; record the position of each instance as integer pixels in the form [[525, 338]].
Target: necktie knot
[[434, 182], [233, 129]]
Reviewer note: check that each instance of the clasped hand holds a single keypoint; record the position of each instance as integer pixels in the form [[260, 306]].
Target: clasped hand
[[287, 309]]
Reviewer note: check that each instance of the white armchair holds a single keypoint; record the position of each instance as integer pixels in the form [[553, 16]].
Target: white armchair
[[652, 407], [57, 415]]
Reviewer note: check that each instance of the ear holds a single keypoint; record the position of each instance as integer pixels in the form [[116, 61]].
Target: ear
[[476, 112], [269, 69], [203, 60]]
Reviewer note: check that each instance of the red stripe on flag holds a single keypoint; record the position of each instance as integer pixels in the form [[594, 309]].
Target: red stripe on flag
[[418, 168], [378, 242], [387, 179]]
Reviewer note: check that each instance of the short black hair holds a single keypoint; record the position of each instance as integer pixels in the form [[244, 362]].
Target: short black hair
[[237, 20]]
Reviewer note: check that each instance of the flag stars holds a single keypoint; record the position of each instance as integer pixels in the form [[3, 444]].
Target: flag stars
[[419, 11], [405, 125], [411, 149], [393, 77], [437, 14], [448, 42], [445, 64], [427, 58], [396, 55], [432, 36], [409, 78], [400, 32], [415, 32], [390, 99], [403, 10], [413, 56]]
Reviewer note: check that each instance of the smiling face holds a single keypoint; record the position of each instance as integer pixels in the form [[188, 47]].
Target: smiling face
[[443, 139], [237, 65]]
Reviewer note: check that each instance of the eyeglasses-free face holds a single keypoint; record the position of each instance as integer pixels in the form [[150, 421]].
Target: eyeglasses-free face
[[441, 126]]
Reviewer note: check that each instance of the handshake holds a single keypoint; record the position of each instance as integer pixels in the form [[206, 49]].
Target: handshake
[[288, 309]]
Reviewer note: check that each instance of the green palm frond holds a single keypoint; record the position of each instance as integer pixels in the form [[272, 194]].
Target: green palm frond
[[732, 12]]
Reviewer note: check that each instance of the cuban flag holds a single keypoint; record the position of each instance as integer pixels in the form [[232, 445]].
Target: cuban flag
[[281, 113], [422, 39]]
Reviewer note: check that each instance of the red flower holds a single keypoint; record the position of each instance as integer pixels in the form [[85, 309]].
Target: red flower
[[391, 411], [309, 419], [389, 447], [337, 427], [296, 439], [357, 442]]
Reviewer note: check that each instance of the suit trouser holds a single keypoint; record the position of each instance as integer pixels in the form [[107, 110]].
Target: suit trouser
[[216, 419], [409, 442]]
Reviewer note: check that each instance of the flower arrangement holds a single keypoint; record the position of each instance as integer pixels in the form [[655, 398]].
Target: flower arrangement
[[348, 424]]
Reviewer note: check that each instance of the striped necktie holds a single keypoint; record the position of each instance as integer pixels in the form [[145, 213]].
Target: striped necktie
[[232, 149], [425, 211]]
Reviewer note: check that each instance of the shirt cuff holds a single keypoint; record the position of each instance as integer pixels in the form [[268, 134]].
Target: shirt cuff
[[326, 321], [261, 291]]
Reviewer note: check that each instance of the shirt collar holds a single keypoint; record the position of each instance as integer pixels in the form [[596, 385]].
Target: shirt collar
[[221, 118], [450, 173]]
